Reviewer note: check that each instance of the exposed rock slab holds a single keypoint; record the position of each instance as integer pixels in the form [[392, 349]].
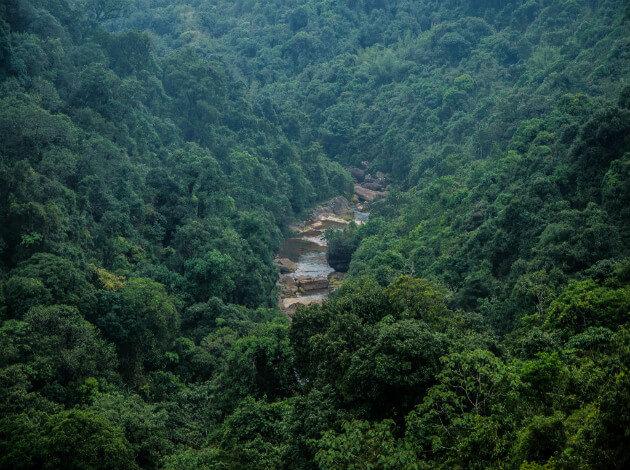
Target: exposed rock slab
[[366, 194], [289, 305], [311, 284], [338, 206]]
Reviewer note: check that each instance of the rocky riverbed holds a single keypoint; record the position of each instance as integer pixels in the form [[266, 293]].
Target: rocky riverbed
[[305, 276]]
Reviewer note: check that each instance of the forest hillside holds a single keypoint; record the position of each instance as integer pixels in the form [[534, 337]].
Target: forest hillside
[[154, 155]]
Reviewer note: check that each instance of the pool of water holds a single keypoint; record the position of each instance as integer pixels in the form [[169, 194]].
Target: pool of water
[[295, 247], [313, 264], [307, 249]]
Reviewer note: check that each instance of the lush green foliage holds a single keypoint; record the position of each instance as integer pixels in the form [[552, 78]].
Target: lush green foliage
[[152, 154]]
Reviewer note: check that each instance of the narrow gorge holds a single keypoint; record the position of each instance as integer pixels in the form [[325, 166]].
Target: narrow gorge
[[306, 277], [314, 234]]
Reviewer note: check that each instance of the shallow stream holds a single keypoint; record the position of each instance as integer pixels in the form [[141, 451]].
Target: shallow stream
[[309, 279]]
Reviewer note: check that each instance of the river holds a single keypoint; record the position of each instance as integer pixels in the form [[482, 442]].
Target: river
[[306, 278]]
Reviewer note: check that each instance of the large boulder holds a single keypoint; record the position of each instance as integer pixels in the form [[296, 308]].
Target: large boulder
[[357, 173], [338, 206]]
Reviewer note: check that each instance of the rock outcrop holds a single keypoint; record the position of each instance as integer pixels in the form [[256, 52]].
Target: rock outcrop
[[288, 286], [290, 305], [377, 182], [368, 195], [338, 206], [311, 284], [358, 174], [309, 280], [286, 266]]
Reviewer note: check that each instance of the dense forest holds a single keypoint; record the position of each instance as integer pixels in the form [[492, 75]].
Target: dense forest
[[154, 153]]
